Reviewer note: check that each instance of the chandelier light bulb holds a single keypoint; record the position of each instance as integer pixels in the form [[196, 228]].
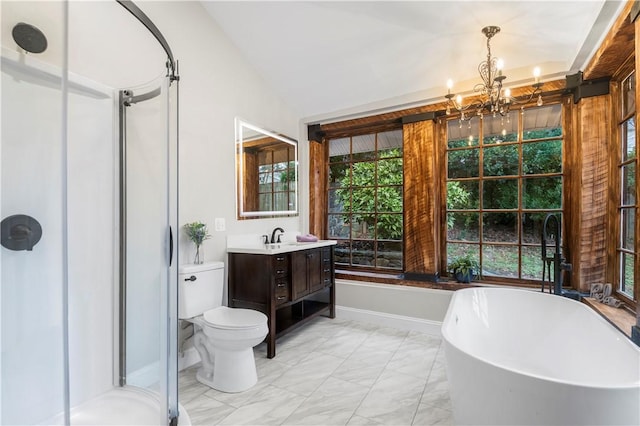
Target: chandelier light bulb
[[459, 99], [536, 74], [499, 66], [449, 84]]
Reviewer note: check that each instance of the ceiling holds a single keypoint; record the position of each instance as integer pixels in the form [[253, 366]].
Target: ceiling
[[334, 60]]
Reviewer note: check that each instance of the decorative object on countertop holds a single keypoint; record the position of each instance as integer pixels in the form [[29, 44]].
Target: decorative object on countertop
[[602, 293], [197, 232], [464, 268], [308, 238]]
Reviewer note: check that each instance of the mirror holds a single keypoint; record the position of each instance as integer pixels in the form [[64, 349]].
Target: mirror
[[266, 172]]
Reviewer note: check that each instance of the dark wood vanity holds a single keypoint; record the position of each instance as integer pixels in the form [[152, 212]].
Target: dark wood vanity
[[290, 287]]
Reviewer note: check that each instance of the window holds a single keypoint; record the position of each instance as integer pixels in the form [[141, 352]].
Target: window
[[628, 173], [504, 175], [365, 200]]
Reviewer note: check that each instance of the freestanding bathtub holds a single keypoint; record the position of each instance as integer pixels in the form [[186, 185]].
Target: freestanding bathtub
[[522, 357]]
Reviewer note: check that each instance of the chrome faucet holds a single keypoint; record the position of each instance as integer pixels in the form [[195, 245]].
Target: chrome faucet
[[273, 235]]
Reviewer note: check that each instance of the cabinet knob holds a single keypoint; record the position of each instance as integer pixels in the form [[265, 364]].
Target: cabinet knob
[[281, 297], [281, 284], [279, 271], [280, 258]]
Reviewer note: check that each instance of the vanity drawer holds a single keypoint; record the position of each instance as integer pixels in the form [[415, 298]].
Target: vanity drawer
[[280, 265], [282, 291]]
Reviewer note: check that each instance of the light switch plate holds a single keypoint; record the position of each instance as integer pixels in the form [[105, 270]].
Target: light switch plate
[[219, 224]]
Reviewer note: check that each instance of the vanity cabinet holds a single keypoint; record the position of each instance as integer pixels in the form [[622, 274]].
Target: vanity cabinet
[[290, 288]]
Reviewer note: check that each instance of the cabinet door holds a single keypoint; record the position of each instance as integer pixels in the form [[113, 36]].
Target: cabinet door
[[314, 270], [299, 282]]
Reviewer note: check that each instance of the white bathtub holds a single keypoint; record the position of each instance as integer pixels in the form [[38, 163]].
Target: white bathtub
[[522, 357]]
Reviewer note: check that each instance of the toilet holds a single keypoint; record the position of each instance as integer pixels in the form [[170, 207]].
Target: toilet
[[224, 337]]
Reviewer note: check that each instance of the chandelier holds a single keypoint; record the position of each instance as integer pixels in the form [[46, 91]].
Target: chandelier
[[493, 98]]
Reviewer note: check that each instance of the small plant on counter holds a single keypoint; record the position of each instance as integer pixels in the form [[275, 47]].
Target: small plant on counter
[[197, 232], [464, 268]]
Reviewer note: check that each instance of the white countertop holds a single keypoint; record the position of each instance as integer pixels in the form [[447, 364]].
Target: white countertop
[[278, 248]]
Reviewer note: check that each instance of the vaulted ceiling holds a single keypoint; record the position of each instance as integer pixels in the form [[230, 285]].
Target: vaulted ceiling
[[331, 60]]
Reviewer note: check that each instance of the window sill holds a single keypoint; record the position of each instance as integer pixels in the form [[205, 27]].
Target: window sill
[[622, 318], [398, 279]]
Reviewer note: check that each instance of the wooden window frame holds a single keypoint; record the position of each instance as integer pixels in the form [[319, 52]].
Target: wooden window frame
[[327, 213], [617, 164]]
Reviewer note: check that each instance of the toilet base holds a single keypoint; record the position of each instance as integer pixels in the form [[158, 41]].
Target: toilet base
[[233, 371], [226, 368]]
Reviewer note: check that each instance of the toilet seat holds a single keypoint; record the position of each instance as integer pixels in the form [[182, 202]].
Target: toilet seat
[[227, 318]]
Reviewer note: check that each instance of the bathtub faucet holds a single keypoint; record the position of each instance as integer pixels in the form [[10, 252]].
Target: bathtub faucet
[[551, 230]]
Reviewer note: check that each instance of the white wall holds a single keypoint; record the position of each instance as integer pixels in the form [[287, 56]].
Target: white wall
[[216, 85]]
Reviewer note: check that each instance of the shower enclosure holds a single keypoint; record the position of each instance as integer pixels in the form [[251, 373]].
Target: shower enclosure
[[88, 202]]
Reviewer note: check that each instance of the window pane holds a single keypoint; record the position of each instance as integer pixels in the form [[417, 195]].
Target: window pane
[[629, 177], [455, 250], [389, 199], [390, 172], [362, 253], [463, 163], [339, 175], [363, 226], [463, 226], [389, 227], [390, 144], [542, 122], [500, 227], [626, 273], [542, 157], [629, 95], [628, 140], [542, 193], [500, 194], [462, 134], [501, 261], [532, 227], [362, 200], [500, 129], [627, 228], [462, 195], [364, 174], [389, 255], [339, 150], [501, 161], [363, 147], [336, 203], [339, 226], [342, 252], [532, 264]]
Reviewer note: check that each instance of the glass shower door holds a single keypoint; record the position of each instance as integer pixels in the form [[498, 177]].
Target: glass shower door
[[148, 222]]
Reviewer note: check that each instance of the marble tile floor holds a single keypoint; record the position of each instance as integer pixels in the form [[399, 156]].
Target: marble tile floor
[[334, 372]]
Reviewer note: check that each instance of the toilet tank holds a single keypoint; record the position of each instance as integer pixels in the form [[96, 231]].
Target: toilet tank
[[200, 288]]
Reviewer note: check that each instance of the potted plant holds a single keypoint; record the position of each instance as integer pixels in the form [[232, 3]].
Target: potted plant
[[464, 268], [197, 232]]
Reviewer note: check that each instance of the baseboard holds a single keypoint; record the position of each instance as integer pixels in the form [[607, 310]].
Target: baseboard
[[390, 320], [188, 358]]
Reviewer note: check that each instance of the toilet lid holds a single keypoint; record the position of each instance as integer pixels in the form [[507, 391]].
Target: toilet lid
[[224, 317]]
